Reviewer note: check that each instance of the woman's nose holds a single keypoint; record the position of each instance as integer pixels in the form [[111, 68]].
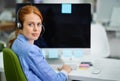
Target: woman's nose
[[35, 28]]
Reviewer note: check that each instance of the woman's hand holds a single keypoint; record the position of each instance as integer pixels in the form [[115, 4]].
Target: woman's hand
[[66, 68]]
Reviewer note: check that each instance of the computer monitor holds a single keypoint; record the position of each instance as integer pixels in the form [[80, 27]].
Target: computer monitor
[[66, 26]]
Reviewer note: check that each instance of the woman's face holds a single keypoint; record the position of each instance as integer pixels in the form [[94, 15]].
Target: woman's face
[[32, 27]]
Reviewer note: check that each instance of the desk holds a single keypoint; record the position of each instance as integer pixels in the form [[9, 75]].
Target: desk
[[7, 26], [114, 28], [110, 71]]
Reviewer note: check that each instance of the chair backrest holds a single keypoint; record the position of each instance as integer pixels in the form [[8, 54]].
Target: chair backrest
[[12, 67], [99, 42], [2, 45]]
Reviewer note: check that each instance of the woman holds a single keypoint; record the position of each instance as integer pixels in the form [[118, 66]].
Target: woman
[[32, 61]]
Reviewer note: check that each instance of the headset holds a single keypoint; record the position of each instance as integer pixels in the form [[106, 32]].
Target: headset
[[20, 25]]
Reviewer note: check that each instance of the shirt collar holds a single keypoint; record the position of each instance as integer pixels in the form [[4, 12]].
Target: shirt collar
[[22, 37]]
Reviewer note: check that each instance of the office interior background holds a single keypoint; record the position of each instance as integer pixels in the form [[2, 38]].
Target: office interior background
[[104, 13]]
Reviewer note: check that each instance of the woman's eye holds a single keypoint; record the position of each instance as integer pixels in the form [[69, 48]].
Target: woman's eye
[[31, 25], [39, 24]]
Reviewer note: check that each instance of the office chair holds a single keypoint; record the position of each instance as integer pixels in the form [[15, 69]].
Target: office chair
[[2, 45], [99, 42], [12, 67]]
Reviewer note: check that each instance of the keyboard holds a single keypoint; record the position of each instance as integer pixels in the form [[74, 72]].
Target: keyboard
[[56, 66]]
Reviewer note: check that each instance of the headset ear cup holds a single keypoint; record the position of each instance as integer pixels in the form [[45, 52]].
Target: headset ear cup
[[19, 25]]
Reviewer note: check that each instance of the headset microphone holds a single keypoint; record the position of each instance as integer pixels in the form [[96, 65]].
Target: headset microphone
[[43, 30]]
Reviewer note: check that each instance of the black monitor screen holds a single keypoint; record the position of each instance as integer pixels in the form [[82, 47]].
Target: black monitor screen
[[66, 26]]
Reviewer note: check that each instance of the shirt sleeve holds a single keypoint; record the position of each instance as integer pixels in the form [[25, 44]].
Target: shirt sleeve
[[41, 68], [63, 71]]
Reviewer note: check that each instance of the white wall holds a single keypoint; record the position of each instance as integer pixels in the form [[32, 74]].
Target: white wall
[[104, 9], [63, 1]]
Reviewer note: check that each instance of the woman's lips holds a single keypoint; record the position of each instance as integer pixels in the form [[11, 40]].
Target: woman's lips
[[35, 34]]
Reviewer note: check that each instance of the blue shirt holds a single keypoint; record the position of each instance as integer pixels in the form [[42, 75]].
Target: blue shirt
[[33, 63]]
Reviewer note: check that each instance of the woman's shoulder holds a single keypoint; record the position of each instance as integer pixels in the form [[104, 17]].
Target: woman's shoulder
[[21, 47], [34, 49]]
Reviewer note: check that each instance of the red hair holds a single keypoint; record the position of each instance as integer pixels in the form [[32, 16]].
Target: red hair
[[28, 9], [25, 10]]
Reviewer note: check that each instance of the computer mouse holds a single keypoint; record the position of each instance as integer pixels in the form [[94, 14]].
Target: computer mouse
[[96, 71]]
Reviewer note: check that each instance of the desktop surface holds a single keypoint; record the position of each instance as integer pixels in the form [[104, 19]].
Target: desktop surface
[[103, 69], [109, 70]]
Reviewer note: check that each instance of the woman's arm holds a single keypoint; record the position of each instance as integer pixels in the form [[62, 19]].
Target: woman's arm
[[41, 68]]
